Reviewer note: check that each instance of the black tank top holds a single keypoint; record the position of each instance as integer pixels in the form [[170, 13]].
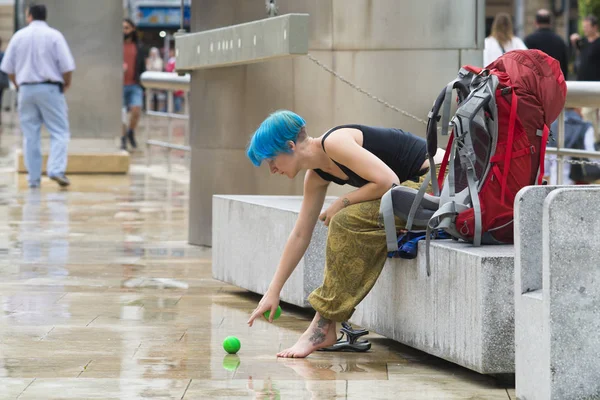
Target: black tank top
[[402, 151]]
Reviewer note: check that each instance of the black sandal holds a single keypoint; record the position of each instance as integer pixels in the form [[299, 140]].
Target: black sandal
[[351, 342]]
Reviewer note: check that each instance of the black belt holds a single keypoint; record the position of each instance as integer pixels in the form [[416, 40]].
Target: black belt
[[59, 84]]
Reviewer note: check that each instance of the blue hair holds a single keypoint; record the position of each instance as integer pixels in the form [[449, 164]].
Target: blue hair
[[273, 134]]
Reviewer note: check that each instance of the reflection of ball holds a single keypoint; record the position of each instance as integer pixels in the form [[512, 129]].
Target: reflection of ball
[[231, 362], [231, 344], [277, 313]]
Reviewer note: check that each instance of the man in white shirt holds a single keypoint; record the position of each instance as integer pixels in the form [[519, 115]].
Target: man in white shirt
[[40, 64]]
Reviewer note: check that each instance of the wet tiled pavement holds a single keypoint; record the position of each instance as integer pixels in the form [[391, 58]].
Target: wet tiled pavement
[[103, 298]]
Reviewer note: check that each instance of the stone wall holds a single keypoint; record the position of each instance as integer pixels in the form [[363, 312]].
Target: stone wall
[[403, 57], [6, 23]]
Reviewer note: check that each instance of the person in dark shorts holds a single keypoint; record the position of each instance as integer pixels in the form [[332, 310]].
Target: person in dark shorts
[[134, 64]]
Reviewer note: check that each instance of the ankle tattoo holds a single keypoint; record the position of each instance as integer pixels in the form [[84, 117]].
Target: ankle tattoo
[[323, 322], [319, 334]]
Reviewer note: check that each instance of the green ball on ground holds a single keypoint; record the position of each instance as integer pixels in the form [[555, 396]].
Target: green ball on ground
[[267, 313], [231, 344]]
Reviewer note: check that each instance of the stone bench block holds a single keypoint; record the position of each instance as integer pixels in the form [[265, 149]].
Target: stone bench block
[[109, 162], [463, 313], [249, 234], [557, 299]]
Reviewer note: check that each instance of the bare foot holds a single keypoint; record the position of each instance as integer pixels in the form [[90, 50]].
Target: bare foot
[[320, 333]]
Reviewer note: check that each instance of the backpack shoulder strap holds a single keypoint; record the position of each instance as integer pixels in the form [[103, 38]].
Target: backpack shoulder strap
[[386, 209], [444, 103]]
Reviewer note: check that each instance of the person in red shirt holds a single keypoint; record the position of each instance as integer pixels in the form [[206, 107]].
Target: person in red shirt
[[178, 95], [133, 65]]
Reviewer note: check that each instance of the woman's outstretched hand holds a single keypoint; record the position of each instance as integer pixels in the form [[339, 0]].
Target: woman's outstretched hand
[[270, 301]]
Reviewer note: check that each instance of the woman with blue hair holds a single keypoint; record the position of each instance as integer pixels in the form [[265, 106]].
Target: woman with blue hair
[[368, 158]]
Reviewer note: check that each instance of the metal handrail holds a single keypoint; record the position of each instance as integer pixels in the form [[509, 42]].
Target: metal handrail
[[160, 143], [573, 152], [583, 94], [170, 82], [579, 94], [165, 81]]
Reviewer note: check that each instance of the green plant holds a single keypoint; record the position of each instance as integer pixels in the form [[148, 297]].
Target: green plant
[[588, 7]]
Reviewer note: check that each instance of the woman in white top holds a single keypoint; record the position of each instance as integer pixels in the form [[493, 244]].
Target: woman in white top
[[155, 63], [501, 39]]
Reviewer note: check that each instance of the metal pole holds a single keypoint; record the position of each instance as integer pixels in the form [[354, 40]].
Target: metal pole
[[147, 126], [520, 18], [567, 18], [182, 16], [186, 141], [169, 199], [169, 127], [560, 144], [167, 47]]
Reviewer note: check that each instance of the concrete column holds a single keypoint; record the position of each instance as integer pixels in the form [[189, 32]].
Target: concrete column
[[93, 30], [556, 301], [402, 56], [6, 23]]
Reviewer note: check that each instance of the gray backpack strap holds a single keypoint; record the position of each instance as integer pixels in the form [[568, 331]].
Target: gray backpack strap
[[467, 160], [433, 176], [451, 177], [417, 202], [428, 249], [441, 218], [386, 209], [446, 108], [476, 205]]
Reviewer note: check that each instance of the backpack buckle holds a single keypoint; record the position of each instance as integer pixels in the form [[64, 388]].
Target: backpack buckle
[[464, 230], [436, 117]]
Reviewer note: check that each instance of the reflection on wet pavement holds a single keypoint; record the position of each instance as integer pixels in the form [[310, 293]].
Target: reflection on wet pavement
[[102, 297]]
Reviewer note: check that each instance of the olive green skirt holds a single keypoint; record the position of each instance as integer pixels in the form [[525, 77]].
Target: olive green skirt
[[355, 255]]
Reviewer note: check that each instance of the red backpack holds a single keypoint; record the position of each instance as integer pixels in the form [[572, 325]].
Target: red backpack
[[497, 146]]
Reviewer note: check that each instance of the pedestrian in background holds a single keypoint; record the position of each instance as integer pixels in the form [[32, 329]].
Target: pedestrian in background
[[546, 40], [4, 82], [178, 95], [501, 39], [40, 64], [134, 64], [588, 65]]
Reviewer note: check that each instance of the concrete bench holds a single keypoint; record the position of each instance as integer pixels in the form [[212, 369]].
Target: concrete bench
[[463, 313], [557, 297]]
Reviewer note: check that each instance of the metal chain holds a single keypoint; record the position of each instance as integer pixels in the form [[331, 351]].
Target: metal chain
[[356, 87], [578, 162]]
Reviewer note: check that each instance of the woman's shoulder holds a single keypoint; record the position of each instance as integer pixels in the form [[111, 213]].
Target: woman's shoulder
[[339, 135], [518, 43], [490, 40], [340, 130]]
